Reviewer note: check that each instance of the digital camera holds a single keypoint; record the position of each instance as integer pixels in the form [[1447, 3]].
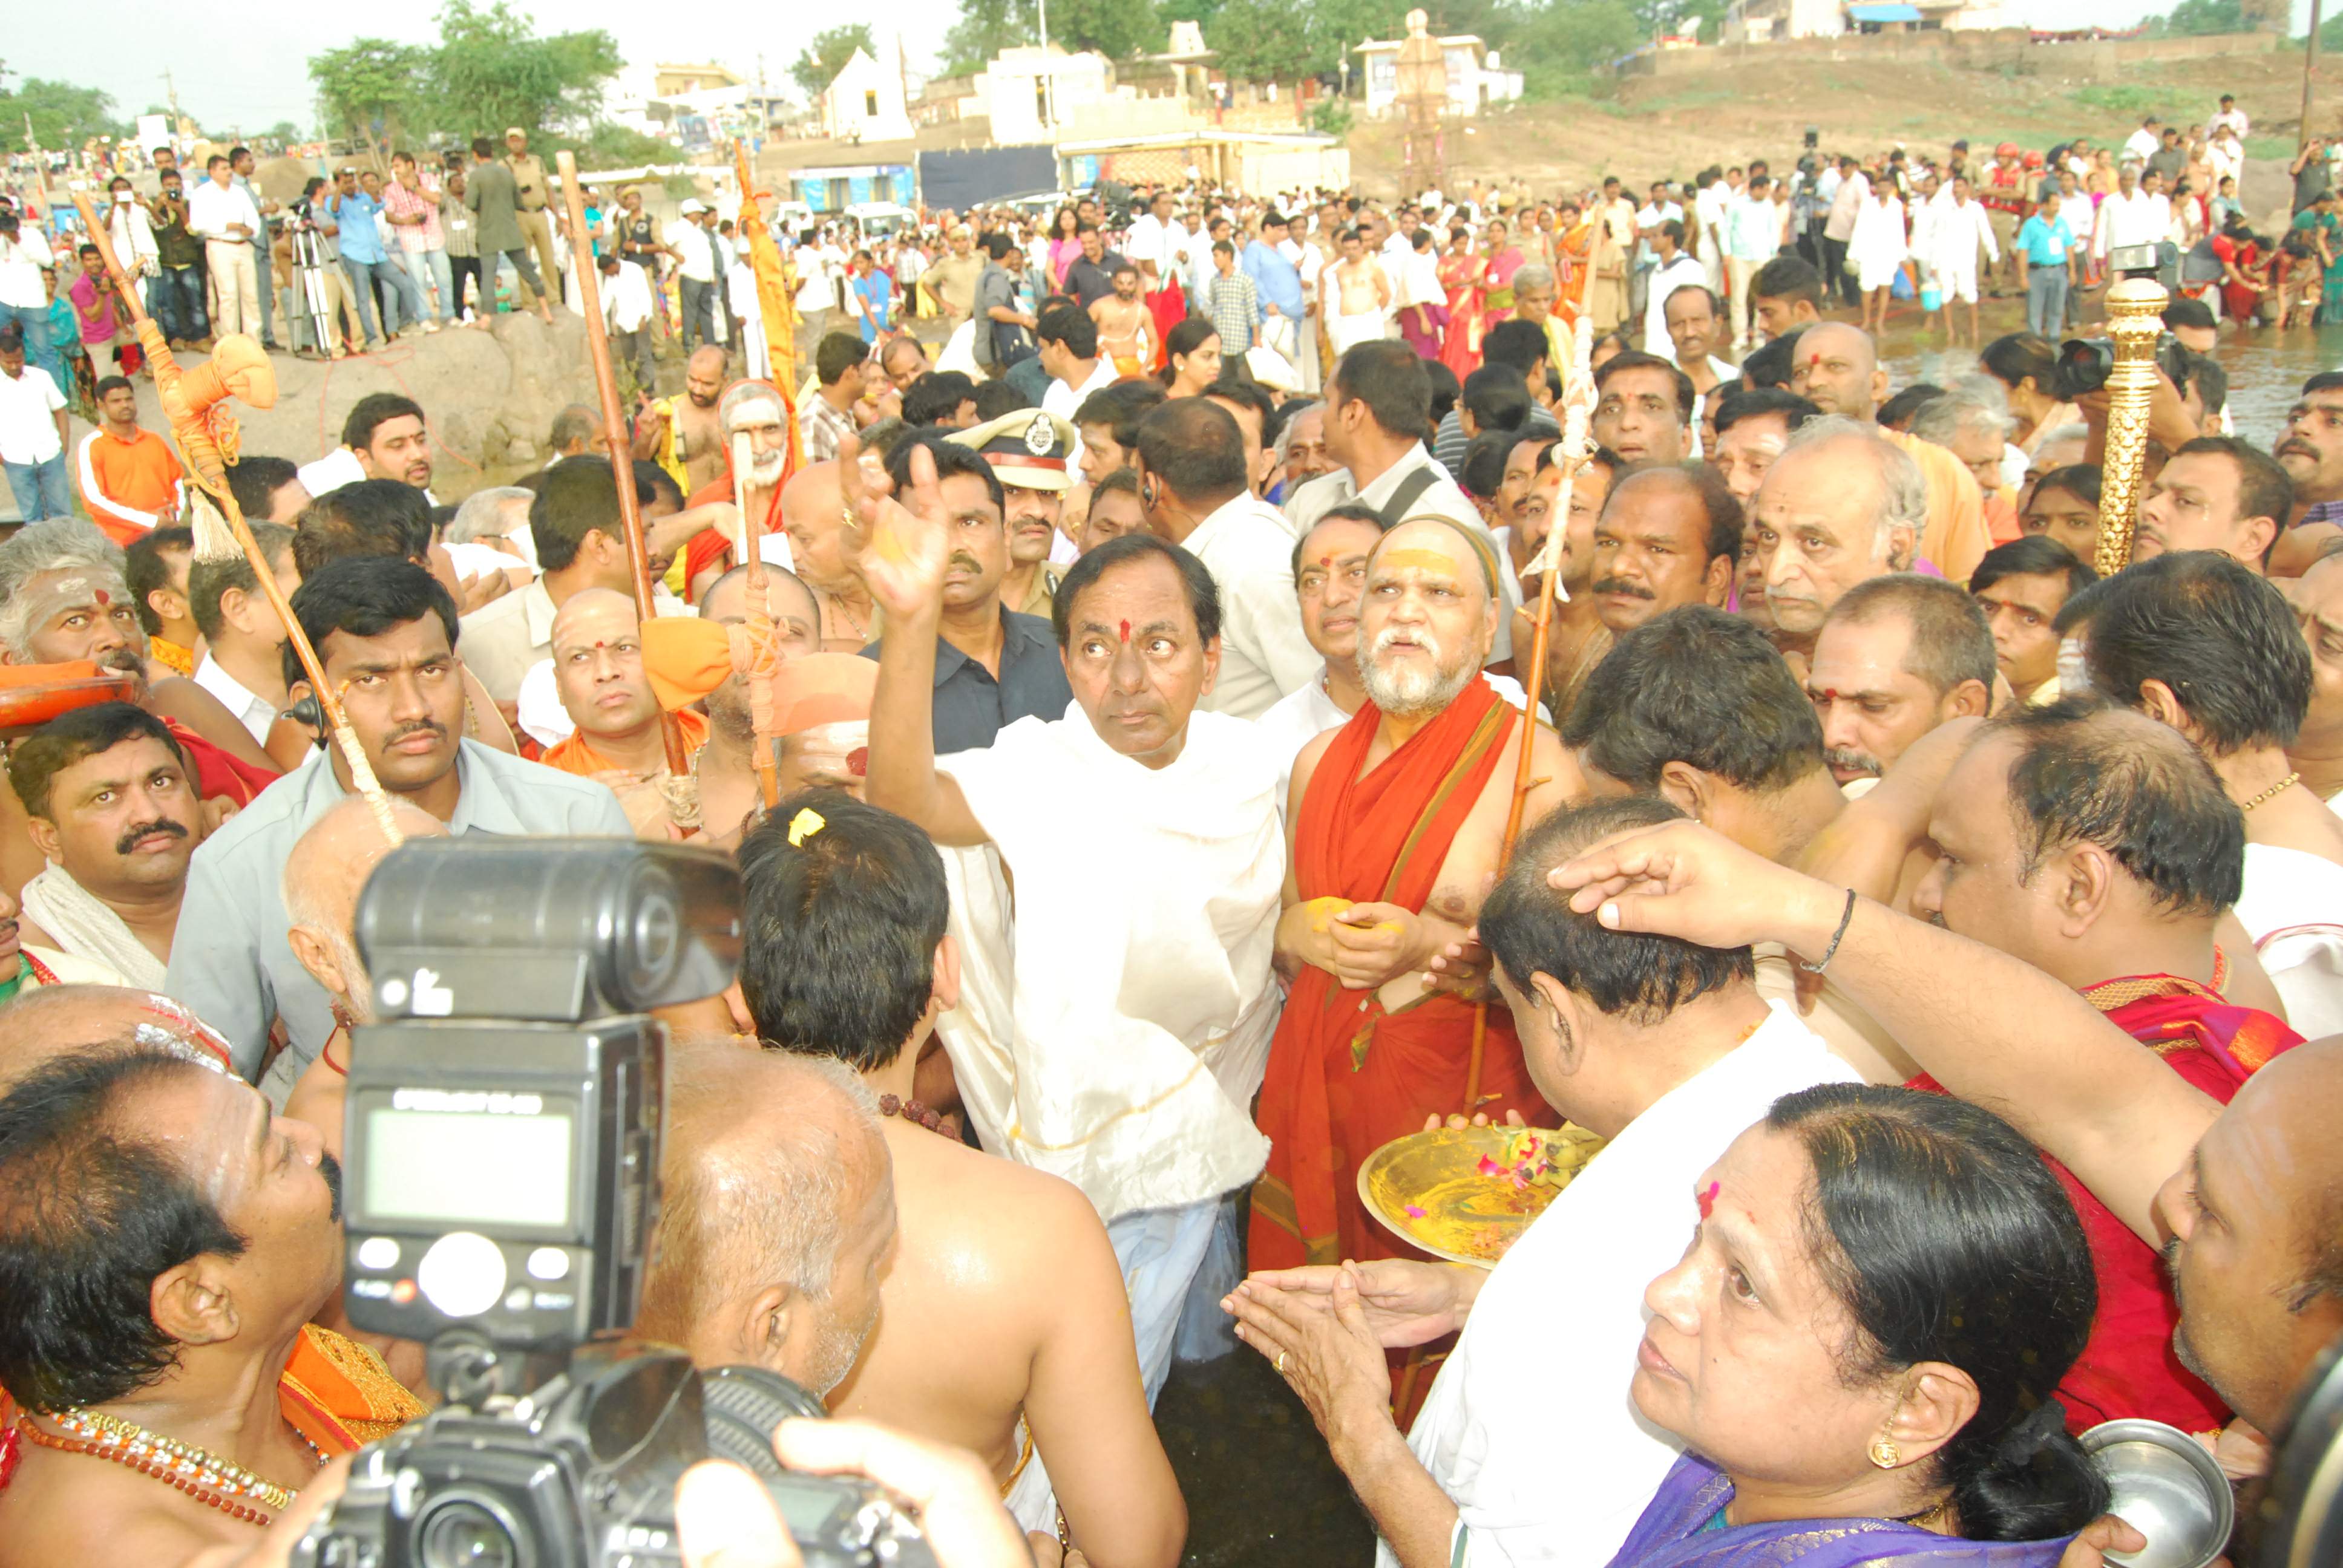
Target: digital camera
[[502, 1136]]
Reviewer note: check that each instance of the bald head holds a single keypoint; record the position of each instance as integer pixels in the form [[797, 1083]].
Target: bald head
[[51, 1021], [324, 876], [706, 360], [824, 540], [1835, 367], [593, 613], [777, 1210]]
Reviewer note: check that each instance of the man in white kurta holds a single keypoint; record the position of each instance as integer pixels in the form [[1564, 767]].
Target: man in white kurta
[[1124, 1053]]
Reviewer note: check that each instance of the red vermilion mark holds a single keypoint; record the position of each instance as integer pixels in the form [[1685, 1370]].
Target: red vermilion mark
[[858, 761], [1126, 631], [102, 597], [1708, 1199]]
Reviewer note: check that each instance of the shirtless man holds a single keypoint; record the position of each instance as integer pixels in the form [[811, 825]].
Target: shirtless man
[[727, 764], [681, 433], [1363, 295], [1425, 626], [1002, 1327], [1126, 331], [824, 544]]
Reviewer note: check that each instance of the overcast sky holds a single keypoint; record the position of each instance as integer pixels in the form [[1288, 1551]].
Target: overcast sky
[[253, 73]]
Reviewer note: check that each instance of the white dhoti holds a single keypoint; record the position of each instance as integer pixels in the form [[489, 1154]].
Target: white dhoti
[[1031, 1500], [1366, 326], [2293, 909], [1126, 1059]]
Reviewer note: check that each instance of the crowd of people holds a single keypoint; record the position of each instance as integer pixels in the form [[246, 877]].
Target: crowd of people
[[1929, 927]]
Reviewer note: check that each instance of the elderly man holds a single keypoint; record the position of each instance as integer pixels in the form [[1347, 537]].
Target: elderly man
[[1190, 461], [62, 598], [489, 538], [1897, 657], [1144, 1005], [1643, 408], [324, 876], [112, 809], [753, 409], [244, 654], [1839, 506], [1972, 422], [2216, 493], [777, 1215], [821, 717], [997, 1268], [1753, 427], [386, 631], [1030, 453], [1695, 319], [580, 541], [1668, 535], [1836, 369], [2021, 587], [157, 1284], [1300, 449], [1393, 825], [621, 734], [824, 544], [1667, 1051], [2193, 638]]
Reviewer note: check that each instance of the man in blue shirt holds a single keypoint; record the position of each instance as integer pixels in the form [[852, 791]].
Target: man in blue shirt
[[386, 631], [353, 212], [1279, 283], [2048, 246]]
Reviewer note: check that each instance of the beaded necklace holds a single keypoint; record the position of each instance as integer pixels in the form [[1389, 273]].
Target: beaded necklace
[[203, 1475]]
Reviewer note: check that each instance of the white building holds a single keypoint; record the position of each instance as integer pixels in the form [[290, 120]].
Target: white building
[[1476, 77], [865, 102], [1774, 21], [1030, 91]]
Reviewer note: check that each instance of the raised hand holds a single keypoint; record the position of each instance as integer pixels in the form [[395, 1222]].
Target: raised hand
[[910, 536], [1685, 880]]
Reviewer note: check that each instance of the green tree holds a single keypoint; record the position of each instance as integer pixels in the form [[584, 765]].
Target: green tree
[[62, 114], [825, 56], [985, 29], [1557, 44], [282, 131], [2206, 17], [373, 90], [1118, 29], [1258, 42], [492, 70]]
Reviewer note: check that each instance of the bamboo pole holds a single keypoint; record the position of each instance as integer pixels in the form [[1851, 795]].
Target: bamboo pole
[[206, 435], [614, 426]]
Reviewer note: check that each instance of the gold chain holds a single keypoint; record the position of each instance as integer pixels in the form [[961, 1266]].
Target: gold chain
[[113, 1435], [2278, 789]]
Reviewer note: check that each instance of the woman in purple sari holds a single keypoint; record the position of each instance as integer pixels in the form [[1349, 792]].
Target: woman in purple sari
[[1859, 1347]]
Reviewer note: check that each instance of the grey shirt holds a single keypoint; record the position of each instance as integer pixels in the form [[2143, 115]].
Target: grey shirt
[[230, 959], [489, 191]]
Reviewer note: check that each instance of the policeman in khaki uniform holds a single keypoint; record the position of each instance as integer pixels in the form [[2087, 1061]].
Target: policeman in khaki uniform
[[1032, 454]]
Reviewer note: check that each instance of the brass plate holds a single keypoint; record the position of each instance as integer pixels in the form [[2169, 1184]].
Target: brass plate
[[1431, 1191]]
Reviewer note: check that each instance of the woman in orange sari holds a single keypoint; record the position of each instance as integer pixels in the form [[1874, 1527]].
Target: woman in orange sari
[[1461, 272], [1573, 252]]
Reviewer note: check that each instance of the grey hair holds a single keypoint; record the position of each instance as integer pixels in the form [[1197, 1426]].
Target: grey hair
[[481, 515], [1533, 276], [1902, 490], [1973, 403], [1285, 442], [60, 544], [770, 1211]]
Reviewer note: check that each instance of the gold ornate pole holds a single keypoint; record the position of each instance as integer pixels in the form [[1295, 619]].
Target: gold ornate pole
[[614, 427], [196, 405], [2135, 320]]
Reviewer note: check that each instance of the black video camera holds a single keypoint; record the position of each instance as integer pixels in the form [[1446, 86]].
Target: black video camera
[[502, 1133], [2083, 363]]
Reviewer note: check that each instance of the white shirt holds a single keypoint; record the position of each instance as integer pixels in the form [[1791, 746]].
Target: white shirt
[[212, 207], [697, 244], [1955, 229], [2142, 144], [28, 427], [2139, 218], [1667, 279], [1562, 1315], [1263, 653], [2233, 118], [627, 299], [21, 261], [2292, 907], [1062, 400], [254, 712], [133, 233]]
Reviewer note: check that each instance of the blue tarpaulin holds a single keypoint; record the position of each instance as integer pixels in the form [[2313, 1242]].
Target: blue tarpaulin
[[1883, 13]]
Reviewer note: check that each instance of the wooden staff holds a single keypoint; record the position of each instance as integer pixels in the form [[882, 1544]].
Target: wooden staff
[[205, 433], [614, 426], [1576, 447]]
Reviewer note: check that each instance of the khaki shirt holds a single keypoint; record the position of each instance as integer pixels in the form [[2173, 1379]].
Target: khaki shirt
[[953, 281], [529, 174]]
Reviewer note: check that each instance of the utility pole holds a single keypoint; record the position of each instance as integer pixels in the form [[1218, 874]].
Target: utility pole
[[2310, 63], [1049, 103]]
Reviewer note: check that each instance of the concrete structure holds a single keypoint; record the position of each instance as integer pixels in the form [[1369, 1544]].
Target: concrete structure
[[865, 101], [1030, 92], [1476, 77], [831, 190], [2008, 49], [694, 104], [1778, 21]]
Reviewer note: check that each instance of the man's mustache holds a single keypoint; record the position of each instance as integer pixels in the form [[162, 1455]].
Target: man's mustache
[[125, 658], [331, 1169], [131, 836], [1623, 586], [965, 562], [420, 727], [1854, 761]]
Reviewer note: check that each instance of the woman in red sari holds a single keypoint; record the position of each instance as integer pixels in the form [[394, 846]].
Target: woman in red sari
[[2241, 269], [1461, 272], [1504, 260]]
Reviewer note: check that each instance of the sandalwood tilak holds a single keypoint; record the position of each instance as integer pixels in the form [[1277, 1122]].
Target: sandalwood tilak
[[195, 403]]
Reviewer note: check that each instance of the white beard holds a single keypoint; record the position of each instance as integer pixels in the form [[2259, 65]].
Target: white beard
[[1411, 690]]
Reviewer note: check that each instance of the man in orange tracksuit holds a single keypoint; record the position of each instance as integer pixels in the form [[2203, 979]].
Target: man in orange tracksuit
[[128, 477]]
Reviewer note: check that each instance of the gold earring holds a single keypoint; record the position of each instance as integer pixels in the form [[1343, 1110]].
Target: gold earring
[[1883, 1453]]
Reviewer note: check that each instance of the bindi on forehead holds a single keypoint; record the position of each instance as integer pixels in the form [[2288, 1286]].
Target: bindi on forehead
[[1707, 1199]]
